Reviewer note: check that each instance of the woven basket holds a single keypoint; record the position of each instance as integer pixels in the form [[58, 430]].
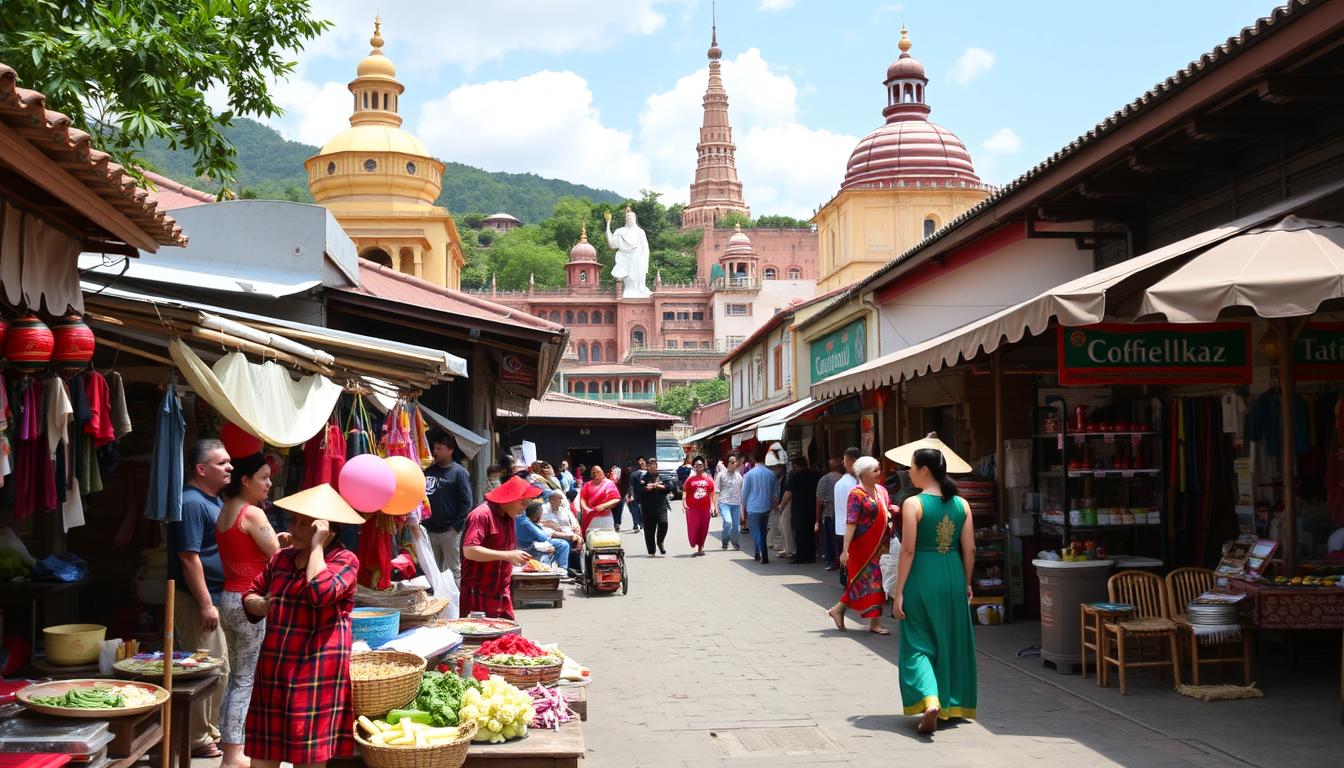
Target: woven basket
[[525, 677], [450, 755], [378, 697]]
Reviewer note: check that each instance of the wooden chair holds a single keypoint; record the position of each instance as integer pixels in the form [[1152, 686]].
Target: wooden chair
[[1183, 586], [1152, 621], [1090, 619]]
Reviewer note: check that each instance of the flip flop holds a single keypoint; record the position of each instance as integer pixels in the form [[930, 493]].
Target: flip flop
[[880, 631], [207, 751]]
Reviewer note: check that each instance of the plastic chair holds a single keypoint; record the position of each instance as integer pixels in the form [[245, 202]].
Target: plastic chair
[[1152, 621], [1183, 586]]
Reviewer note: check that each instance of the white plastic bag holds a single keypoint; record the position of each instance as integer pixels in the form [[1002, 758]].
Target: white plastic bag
[[890, 563], [441, 584]]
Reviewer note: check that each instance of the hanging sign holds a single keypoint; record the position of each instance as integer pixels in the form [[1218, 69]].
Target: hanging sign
[[1319, 353], [839, 350], [513, 370], [1155, 353]]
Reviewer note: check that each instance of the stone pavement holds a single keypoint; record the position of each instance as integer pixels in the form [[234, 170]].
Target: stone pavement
[[721, 661]]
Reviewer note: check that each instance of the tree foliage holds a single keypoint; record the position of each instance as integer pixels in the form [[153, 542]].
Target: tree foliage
[[781, 222], [680, 401], [136, 71]]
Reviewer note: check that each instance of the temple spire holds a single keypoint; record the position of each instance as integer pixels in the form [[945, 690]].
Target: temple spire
[[716, 190]]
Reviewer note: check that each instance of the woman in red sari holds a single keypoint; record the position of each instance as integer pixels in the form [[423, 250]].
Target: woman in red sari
[[866, 540], [301, 711], [596, 500]]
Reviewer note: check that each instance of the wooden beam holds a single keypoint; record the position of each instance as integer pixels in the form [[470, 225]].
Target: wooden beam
[[1151, 160], [1281, 89], [1112, 210], [1246, 126], [1126, 188], [41, 170]]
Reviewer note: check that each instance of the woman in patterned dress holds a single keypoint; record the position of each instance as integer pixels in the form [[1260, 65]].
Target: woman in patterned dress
[[301, 711], [866, 538]]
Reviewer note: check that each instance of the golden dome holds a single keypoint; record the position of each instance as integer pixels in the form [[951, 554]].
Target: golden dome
[[375, 138], [376, 65]]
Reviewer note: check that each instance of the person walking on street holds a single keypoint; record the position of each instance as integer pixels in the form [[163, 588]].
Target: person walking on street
[[728, 483], [843, 486], [634, 497], [448, 488], [655, 509], [933, 588], [825, 521], [195, 566], [866, 540], [700, 497], [621, 482], [684, 471], [490, 549], [597, 497], [802, 500], [760, 494]]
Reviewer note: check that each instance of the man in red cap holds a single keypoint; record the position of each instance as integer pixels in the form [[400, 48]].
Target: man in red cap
[[490, 549]]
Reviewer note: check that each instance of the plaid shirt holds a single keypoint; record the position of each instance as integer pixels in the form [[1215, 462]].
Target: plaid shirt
[[485, 586], [301, 710]]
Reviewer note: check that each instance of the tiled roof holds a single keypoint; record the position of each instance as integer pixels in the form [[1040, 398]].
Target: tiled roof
[[555, 406], [610, 368], [50, 132], [387, 283], [1164, 90], [173, 195]]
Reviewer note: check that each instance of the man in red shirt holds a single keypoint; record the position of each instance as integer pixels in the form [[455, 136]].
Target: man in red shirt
[[699, 497], [490, 549]]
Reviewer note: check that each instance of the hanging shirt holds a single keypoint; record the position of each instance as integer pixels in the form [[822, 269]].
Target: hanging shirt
[[99, 397], [165, 474], [1265, 425], [121, 417], [1234, 414]]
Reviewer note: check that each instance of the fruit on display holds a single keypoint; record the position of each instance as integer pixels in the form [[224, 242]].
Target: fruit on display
[[500, 711]]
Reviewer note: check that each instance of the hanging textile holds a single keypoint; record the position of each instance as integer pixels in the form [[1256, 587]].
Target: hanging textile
[[121, 416], [6, 467], [1334, 468], [35, 472], [262, 399], [38, 263], [324, 456], [165, 474]]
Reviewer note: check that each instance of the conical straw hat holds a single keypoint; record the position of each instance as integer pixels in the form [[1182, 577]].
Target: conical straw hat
[[321, 502], [904, 454]]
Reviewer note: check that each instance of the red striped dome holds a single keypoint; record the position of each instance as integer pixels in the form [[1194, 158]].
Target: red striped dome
[[913, 151]]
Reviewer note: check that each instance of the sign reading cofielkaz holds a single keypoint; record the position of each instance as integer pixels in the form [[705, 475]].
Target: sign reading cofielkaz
[[1155, 353], [1319, 354], [839, 351]]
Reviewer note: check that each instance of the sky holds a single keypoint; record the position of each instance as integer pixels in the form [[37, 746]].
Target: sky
[[608, 92]]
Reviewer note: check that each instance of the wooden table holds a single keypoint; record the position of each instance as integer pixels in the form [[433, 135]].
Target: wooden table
[[186, 693], [134, 737], [541, 749], [537, 588]]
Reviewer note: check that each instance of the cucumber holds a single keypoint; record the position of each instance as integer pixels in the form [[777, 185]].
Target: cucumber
[[414, 715]]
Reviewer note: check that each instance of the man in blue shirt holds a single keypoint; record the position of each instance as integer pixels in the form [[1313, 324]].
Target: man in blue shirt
[[448, 488], [537, 542], [195, 567], [760, 494], [566, 479]]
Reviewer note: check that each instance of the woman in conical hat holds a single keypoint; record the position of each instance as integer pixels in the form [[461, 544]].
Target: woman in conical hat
[[305, 593], [937, 651]]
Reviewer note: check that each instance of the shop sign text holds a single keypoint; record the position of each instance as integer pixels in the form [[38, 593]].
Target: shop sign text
[[1155, 353]]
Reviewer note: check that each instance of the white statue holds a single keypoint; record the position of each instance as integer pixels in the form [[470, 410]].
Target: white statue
[[632, 256]]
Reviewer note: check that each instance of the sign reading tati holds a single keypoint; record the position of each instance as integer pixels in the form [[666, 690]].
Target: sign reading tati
[[1319, 352], [839, 350], [1155, 353]]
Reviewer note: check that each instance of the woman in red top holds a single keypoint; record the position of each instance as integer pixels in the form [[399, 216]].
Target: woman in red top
[[301, 711], [246, 541], [490, 550], [596, 500], [701, 501]]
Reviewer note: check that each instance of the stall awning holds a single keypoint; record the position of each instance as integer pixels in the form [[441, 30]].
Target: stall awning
[[1078, 302], [771, 428], [715, 431]]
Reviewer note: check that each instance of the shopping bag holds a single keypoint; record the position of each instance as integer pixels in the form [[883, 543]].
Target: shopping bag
[[890, 564]]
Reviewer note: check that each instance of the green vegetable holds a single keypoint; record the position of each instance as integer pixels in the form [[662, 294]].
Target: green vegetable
[[414, 715], [519, 660], [85, 698], [441, 696]]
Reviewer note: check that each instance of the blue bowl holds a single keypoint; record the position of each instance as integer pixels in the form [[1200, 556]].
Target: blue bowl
[[375, 626]]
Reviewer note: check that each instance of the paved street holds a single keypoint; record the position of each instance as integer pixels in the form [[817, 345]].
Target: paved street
[[721, 661]]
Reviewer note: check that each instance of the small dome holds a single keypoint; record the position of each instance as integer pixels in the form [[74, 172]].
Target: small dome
[[739, 245], [906, 68], [375, 138], [910, 151], [501, 216], [376, 65], [582, 250]]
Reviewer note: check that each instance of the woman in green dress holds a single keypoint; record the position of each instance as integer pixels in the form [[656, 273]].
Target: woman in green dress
[[937, 653]]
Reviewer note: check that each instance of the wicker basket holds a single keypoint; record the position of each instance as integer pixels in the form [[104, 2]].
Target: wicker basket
[[450, 755], [525, 677], [378, 697]]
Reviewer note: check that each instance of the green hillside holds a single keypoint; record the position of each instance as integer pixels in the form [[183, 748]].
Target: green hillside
[[272, 167]]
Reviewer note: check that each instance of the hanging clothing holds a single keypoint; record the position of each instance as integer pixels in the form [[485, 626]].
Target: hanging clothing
[[324, 456], [1334, 469], [99, 426], [165, 474], [6, 467], [121, 417], [35, 482], [1264, 424]]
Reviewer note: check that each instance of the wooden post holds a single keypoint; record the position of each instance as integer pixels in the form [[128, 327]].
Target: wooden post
[[1287, 340], [166, 715], [1000, 494]]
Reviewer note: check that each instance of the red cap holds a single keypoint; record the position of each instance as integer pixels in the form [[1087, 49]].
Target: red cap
[[515, 489]]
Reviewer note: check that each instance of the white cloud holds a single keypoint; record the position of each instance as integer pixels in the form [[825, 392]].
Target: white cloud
[[544, 123], [775, 5], [1005, 141], [972, 63], [791, 169]]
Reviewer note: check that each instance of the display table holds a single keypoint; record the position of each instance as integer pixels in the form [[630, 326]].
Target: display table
[[541, 749], [1297, 608], [187, 694], [537, 588]]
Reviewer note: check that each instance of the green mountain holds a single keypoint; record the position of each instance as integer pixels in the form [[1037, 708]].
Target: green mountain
[[272, 167]]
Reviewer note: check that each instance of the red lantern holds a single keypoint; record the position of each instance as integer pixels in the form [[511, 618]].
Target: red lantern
[[74, 342], [238, 442], [4, 326], [28, 343]]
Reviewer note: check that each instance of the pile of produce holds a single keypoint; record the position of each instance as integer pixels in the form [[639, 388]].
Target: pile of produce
[[440, 697], [515, 651], [550, 707], [99, 697], [500, 711], [372, 667], [403, 728], [152, 663]]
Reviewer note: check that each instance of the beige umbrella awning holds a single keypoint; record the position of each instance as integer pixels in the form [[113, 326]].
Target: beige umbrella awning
[[1287, 269]]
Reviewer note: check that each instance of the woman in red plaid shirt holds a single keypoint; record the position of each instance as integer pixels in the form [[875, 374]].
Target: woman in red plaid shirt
[[301, 709]]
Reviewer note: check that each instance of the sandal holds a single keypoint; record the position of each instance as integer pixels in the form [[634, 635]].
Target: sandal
[[207, 751], [880, 631]]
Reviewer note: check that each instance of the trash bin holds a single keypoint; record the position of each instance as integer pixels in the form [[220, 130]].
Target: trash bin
[[1065, 585]]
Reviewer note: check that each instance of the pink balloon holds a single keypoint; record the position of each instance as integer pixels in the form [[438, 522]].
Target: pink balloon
[[367, 483]]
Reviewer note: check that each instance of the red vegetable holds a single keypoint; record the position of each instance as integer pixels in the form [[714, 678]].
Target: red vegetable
[[511, 644], [479, 672]]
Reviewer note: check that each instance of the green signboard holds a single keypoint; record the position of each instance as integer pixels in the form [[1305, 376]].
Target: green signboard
[[1319, 354], [1155, 353], [839, 350]]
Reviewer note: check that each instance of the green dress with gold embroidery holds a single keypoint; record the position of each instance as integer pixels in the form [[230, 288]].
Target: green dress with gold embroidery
[[937, 643]]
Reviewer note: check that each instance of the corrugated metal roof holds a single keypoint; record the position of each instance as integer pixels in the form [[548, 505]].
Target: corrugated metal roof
[[49, 132], [557, 407], [386, 283]]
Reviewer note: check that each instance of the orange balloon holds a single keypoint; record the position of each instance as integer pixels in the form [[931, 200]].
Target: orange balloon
[[410, 490]]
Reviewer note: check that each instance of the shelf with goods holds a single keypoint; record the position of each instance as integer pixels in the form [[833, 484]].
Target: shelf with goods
[[1099, 482], [989, 579]]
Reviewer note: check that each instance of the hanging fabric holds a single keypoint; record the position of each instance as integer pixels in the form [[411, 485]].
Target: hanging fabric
[[165, 474], [324, 456], [262, 399], [38, 263]]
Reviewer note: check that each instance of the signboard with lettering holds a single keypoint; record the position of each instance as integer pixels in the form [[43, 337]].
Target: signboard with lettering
[[513, 370], [1155, 353], [1319, 353], [839, 350]]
